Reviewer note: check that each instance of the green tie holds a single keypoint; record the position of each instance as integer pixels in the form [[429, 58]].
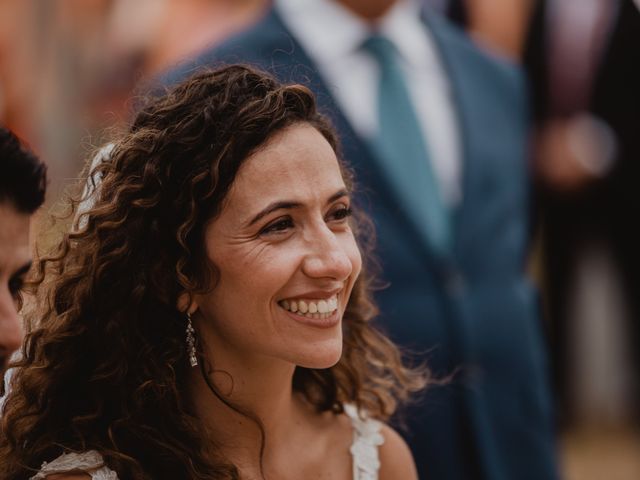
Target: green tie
[[402, 150]]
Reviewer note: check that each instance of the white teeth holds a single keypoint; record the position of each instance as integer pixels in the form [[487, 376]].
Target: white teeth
[[302, 306], [333, 303], [323, 307], [311, 308]]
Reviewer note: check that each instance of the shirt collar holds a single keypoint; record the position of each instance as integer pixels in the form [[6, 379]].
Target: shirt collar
[[308, 19]]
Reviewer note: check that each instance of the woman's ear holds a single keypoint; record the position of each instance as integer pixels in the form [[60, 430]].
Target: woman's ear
[[186, 303]]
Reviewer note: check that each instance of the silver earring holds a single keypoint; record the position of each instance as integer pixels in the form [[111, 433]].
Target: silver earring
[[191, 342]]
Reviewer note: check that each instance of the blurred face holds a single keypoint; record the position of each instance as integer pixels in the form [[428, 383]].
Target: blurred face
[[286, 255], [369, 9], [15, 259]]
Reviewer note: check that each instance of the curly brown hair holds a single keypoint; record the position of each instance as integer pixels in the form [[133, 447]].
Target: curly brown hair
[[104, 362]]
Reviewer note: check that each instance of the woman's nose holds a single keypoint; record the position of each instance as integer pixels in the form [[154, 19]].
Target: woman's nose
[[328, 256]]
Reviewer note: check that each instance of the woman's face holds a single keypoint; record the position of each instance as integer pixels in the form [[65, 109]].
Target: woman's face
[[286, 256]]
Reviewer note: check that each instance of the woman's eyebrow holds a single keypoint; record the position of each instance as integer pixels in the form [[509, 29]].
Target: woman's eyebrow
[[281, 205], [289, 204], [339, 194]]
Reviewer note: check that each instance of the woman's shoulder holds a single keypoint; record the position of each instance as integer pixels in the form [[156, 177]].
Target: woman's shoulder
[[396, 460], [76, 466], [378, 450]]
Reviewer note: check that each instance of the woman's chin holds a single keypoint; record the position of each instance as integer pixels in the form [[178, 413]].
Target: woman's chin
[[324, 357]]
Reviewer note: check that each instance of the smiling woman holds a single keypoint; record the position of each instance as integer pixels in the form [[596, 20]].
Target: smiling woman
[[298, 250], [220, 237]]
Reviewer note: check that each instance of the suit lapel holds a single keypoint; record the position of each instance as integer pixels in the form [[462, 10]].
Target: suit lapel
[[454, 58]]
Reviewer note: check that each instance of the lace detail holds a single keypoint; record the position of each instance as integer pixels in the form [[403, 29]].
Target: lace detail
[[90, 462], [364, 451], [366, 440]]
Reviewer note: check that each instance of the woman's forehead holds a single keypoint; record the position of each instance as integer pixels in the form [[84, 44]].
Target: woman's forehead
[[297, 162]]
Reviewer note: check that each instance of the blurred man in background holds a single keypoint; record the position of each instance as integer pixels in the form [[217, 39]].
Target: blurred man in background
[[22, 189], [584, 67], [436, 132], [584, 64]]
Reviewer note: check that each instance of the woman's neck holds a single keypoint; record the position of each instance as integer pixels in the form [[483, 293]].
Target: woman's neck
[[262, 390]]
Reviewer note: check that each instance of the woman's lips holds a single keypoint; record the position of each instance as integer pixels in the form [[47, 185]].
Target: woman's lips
[[322, 313], [303, 306]]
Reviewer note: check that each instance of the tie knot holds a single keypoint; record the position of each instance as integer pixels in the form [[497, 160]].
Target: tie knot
[[381, 48]]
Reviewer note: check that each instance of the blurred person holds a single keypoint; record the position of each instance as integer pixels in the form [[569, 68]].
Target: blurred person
[[22, 188], [208, 316], [584, 66], [436, 132], [584, 70]]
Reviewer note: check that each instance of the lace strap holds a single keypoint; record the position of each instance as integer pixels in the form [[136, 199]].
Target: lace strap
[[366, 440], [90, 462]]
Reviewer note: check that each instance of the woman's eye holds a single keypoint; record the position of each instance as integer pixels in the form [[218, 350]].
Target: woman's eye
[[15, 287], [278, 226], [341, 213]]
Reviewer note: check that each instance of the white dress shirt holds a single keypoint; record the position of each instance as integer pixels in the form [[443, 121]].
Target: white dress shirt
[[332, 36]]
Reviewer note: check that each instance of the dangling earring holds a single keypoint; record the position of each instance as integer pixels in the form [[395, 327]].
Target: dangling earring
[[191, 342]]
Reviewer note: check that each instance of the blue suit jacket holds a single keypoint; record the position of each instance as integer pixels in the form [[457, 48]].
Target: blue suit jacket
[[471, 310]]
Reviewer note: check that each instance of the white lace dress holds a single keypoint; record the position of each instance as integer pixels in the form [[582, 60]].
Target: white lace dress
[[364, 451], [90, 462]]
